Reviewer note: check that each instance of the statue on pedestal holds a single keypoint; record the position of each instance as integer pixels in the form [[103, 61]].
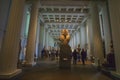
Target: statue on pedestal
[[65, 50]]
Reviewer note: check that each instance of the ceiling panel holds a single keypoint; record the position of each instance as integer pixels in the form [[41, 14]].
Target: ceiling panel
[[60, 14]]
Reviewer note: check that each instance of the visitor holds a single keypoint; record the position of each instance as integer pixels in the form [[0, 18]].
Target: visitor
[[74, 54], [83, 55]]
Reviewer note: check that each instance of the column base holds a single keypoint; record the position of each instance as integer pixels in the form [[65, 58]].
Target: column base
[[115, 74], [10, 75], [29, 64]]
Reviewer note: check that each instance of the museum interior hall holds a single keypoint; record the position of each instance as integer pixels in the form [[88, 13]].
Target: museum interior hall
[[59, 40]]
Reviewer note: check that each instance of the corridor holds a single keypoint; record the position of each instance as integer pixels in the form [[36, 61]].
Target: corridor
[[31, 30], [49, 70]]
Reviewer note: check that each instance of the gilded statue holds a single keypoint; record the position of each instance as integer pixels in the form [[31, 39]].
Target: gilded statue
[[64, 37], [65, 50]]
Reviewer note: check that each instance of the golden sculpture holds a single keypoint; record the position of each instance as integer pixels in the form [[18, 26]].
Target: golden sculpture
[[65, 50], [64, 37]]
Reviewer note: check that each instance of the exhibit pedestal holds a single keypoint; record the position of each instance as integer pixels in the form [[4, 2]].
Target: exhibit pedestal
[[65, 57]]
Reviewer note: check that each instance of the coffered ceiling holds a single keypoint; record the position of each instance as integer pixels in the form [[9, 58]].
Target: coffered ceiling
[[63, 14]]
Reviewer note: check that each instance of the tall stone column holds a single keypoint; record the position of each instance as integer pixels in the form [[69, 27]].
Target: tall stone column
[[105, 27], [74, 40], [23, 35], [90, 36], [71, 42], [114, 11], [78, 37], [85, 34], [39, 43], [37, 39], [46, 42], [44, 36], [10, 46], [24, 21], [82, 34], [41, 38], [97, 40], [4, 12], [30, 48]]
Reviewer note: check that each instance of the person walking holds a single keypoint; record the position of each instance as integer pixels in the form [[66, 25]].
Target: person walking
[[83, 55]]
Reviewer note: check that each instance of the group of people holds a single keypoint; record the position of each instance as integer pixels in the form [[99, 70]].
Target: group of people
[[51, 54], [79, 55]]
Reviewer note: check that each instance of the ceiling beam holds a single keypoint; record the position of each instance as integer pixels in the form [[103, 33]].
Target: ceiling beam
[[65, 7], [64, 2], [64, 13], [59, 29], [57, 23]]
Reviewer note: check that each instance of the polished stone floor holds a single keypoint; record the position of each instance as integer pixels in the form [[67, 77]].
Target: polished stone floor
[[49, 70]]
